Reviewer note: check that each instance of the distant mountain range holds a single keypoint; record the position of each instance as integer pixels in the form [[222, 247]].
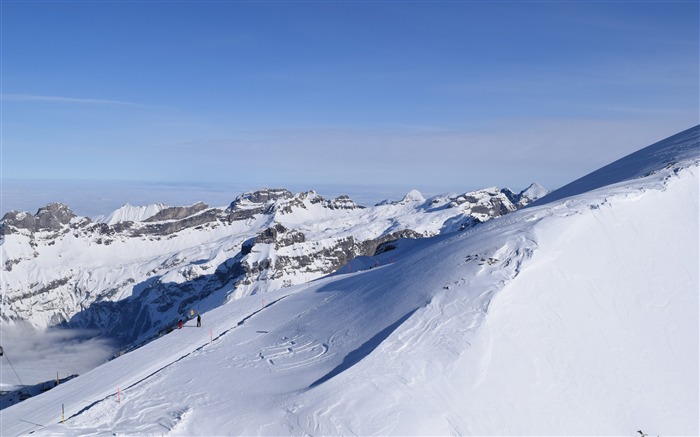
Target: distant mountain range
[[134, 272]]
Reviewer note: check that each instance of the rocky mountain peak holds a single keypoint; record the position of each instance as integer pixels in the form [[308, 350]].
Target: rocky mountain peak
[[255, 202], [263, 196], [532, 193], [177, 212], [51, 217], [342, 202]]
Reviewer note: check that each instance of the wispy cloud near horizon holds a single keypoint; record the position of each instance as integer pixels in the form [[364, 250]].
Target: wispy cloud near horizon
[[71, 100]]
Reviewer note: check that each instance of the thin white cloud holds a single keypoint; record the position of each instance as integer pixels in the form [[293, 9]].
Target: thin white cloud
[[56, 99], [70, 100]]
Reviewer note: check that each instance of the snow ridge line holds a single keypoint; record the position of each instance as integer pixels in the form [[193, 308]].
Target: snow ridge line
[[241, 322]]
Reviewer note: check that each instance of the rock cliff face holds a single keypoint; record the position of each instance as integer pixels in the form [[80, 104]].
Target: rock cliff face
[[177, 212], [131, 279], [52, 217]]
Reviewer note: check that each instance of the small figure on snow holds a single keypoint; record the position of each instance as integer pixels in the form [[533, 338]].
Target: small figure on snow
[[199, 321], [179, 324]]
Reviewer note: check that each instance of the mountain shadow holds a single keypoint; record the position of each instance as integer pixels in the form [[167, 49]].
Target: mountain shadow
[[361, 352]]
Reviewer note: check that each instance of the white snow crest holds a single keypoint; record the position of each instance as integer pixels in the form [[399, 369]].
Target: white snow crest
[[413, 196], [131, 213], [534, 192]]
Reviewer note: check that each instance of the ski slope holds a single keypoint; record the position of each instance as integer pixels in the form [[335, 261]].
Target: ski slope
[[575, 317]]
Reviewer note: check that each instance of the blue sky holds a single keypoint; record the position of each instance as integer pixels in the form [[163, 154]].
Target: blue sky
[[434, 95]]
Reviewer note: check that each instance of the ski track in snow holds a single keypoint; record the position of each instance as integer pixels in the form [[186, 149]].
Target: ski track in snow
[[292, 353], [297, 351], [110, 409]]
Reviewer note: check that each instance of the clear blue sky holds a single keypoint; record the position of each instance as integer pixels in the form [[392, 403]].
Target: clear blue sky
[[451, 94]]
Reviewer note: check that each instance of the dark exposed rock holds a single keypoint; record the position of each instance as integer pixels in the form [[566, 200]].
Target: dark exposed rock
[[170, 227], [287, 206], [51, 217], [381, 244], [18, 220], [177, 212], [255, 202], [342, 202], [498, 203], [514, 198], [279, 236], [266, 194], [269, 201]]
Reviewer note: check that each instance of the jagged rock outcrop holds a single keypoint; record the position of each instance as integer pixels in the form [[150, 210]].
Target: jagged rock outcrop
[[251, 203], [383, 244], [176, 225], [177, 212], [342, 202], [487, 203], [51, 217], [277, 235]]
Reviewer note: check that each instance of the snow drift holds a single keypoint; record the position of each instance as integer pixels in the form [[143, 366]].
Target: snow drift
[[577, 316]]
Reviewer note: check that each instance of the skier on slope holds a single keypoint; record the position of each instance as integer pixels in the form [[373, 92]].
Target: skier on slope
[[199, 321], [179, 324]]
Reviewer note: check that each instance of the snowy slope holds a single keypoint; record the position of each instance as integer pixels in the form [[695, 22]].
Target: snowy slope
[[570, 318], [139, 269], [131, 213], [683, 147]]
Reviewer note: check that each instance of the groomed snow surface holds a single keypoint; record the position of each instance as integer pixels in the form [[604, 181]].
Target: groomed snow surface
[[577, 317]]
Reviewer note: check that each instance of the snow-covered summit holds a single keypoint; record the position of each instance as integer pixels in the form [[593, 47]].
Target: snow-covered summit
[[532, 193], [131, 213], [413, 196]]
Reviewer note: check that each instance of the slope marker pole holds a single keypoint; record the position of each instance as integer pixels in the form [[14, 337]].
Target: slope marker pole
[[63, 414]]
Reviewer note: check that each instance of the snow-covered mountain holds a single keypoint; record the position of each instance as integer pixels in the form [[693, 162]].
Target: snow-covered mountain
[[577, 316], [136, 271], [131, 213]]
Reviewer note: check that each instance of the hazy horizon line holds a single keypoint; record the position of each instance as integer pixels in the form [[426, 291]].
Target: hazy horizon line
[[94, 198]]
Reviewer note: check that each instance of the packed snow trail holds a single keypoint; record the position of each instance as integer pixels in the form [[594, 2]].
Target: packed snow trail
[[211, 340], [120, 373]]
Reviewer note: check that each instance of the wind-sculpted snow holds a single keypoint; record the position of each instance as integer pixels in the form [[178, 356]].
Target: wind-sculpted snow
[[130, 213], [677, 151]]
